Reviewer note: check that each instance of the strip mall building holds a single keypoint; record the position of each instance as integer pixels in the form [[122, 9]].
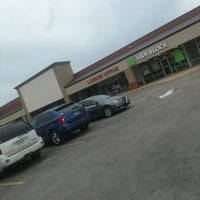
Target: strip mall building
[[171, 48]]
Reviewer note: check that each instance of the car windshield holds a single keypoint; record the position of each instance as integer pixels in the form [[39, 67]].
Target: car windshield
[[100, 98]]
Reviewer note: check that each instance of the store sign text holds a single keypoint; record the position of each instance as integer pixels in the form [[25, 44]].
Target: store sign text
[[103, 74], [151, 51]]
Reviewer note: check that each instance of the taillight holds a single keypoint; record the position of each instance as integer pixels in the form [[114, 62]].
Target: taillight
[[61, 121], [0, 152]]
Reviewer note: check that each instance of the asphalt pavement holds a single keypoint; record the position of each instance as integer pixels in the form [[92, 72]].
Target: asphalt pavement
[[150, 151]]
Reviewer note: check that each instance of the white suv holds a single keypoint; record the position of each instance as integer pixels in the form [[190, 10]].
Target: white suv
[[18, 141]]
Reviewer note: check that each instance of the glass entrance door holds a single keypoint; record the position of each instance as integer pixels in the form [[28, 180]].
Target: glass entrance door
[[166, 66]]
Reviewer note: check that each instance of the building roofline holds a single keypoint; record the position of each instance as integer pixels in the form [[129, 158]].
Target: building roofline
[[137, 45], [41, 72], [10, 107]]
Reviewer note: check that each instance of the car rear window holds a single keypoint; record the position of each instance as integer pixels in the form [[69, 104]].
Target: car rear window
[[42, 119], [13, 130], [67, 108]]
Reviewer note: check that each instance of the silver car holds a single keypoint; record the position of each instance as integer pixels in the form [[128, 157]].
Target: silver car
[[104, 105]]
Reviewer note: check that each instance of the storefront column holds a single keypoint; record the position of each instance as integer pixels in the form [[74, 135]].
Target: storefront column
[[27, 116], [131, 79], [186, 55]]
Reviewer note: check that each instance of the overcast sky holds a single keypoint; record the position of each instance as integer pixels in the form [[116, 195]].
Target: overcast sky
[[36, 33]]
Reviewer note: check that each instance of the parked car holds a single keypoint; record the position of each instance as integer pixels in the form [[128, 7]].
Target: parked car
[[18, 141], [104, 105], [54, 124]]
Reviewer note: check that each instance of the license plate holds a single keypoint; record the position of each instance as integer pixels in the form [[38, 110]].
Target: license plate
[[20, 142]]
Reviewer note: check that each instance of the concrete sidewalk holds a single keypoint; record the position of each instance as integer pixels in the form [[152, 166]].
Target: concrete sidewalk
[[166, 79]]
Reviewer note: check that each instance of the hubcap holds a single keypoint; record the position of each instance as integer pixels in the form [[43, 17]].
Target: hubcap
[[108, 112], [55, 138]]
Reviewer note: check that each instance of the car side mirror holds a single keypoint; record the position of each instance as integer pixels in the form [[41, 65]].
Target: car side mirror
[[96, 103]]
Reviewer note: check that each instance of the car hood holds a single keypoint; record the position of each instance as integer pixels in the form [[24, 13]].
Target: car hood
[[111, 99]]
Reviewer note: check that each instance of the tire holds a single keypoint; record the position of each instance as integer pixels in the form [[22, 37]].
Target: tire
[[36, 155], [84, 127], [108, 111], [2, 175], [56, 137]]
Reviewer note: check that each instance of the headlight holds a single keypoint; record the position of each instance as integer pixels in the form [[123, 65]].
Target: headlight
[[115, 101]]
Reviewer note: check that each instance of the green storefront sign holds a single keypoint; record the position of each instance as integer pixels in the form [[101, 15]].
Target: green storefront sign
[[131, 61], [178, 56]]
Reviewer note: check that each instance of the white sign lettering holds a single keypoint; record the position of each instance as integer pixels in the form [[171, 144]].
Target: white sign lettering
[[151, 51]]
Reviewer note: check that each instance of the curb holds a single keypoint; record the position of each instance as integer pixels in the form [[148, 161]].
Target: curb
[[166, 79]]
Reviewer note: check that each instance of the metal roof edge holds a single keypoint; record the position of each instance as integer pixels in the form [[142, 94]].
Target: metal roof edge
[[41, 72]]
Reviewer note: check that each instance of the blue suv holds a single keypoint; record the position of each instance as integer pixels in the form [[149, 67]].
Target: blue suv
[[53, 124]]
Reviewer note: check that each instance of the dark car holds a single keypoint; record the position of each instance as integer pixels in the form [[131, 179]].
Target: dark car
[[54, 124], [104, 105]]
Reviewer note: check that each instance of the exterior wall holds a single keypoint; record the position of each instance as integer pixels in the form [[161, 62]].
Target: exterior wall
[[95, 78], [12, 117], [172, 42], [168, 43], [64, 75], [15, 104], [27, 114], [131, 78], [41, 91]]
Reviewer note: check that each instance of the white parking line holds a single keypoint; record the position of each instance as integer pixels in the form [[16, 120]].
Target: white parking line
[[63, 146]]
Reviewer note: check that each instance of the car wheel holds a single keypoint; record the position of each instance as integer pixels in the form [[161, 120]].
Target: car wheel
[[84, 127], [57, 138], [36, 155], [108, 112]]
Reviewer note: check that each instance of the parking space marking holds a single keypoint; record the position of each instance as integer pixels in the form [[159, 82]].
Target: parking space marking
[[12, 183], [63, 146]]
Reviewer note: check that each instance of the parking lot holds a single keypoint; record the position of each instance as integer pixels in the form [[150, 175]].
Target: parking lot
[[149, 151]]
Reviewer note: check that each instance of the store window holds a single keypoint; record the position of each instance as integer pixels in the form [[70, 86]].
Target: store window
[[198, 40], [145, 70], [156, 69], [179, 59], [118, 81], [192, 48], [155, 66], [198, 43]]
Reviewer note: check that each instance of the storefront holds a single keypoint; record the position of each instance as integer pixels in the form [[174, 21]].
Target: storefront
[[157, 61], [163, 65], [111, 86], [112, 81], [171, 61], [165, 51]]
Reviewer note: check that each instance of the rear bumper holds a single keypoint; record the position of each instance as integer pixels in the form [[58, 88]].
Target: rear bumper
[[6, 161], [68, 128]]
